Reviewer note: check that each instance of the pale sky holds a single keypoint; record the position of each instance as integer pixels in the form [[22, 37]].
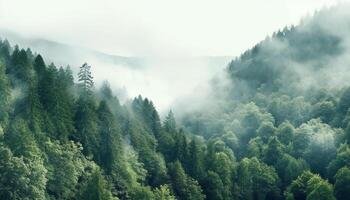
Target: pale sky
[[156, 27]]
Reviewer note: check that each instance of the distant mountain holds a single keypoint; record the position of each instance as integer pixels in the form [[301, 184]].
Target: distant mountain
[[286, 75], [313, 54], [65, 54], [163, 79]]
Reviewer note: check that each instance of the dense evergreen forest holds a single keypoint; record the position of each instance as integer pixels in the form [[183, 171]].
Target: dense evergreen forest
[[278, 128]]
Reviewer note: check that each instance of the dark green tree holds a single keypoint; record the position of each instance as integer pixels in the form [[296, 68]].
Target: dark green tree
[[86, 126], [184, 187], [342, 184], [85, 78], [213, 186], [285, 132], [273, 152], [170, 122], [5, 95], [196, 159], [256, 180], [96, 188]]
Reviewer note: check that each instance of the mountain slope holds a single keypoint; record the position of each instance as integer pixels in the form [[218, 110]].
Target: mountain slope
[[155, 77], [312, 54], [275, 126]]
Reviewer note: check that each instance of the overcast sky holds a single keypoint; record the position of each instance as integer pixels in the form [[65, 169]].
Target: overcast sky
[[156, 27]]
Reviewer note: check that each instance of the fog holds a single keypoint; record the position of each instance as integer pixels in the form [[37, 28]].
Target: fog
[[166, 51], [156, 27], [329, 67], [164, 80]]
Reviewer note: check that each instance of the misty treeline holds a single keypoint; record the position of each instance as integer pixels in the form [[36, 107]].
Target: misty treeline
[[277, 127], [282, 113]]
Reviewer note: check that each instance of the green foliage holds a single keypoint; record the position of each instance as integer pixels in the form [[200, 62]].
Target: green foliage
[[289, 168], [319, 189], [342, 159], [85, 78], [4, 96], [21, 66], [169, 122], [142, 193], [163, 193], [298, 188], [311, 187], [21, 178], [213, 186], [184, 186], [195, 160], [256, 180], [21, 140], [266, 130], [285, 132], [65, 164], [321, 148], [272, 130], [95, 188], [86, 126], [256, 148], [273, 152], [342, 184]]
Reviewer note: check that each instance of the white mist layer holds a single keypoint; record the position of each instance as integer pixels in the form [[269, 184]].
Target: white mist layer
[[164, 80]]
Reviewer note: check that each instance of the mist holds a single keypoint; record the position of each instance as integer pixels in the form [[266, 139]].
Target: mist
[[164, 80], [149, 51], [312, 54], [255, 92]]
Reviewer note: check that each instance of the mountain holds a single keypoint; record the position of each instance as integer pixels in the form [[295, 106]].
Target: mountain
[[286, 100], [275, 124], [154, 77], [64, 54], [295, 63]]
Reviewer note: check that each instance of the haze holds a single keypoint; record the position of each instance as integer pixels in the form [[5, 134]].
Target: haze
[[157, 29]]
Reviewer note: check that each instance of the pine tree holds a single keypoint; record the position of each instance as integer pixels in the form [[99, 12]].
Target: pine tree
[[86, 125], [163, 193], [85, 116], [274, 151], [213, 186], [85, 78], [4, 97], [39, 66], [31, 109], [62, 111], [5, 49], [196, 167], [184, 187], [342, 184], [21, 66], [96, 188], [170, 123], [21, 177], [111, 150]]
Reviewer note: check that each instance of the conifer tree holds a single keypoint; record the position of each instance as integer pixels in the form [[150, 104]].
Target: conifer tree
[[4, 97], [85, 78], [342, 184], [111, 150], [85, 116], [170, 122], [96, 188]]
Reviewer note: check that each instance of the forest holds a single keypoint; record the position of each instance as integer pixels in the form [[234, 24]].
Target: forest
[[278, 128]]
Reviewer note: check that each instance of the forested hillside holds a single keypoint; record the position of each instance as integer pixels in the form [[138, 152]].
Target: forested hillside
[[284, 106], [277, 128], [67, 140]]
